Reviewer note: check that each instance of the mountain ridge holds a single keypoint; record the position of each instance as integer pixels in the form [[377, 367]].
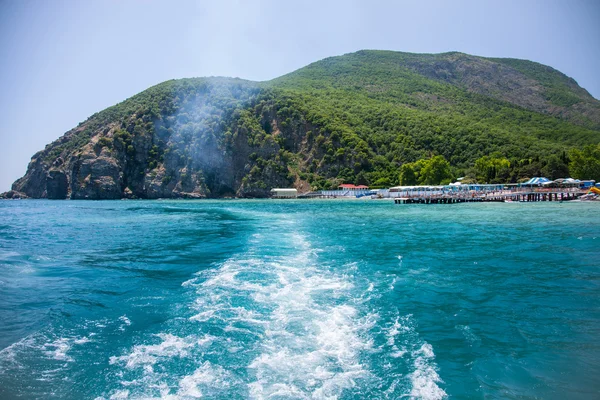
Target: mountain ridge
[[355, 117]]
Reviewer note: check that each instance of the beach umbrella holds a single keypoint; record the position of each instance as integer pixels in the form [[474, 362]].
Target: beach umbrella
[[536, 181]]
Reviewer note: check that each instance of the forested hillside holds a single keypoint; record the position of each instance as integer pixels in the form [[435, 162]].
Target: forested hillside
[[371, 117]]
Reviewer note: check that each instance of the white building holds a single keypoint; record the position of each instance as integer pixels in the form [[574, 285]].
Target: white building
[[284, 193]]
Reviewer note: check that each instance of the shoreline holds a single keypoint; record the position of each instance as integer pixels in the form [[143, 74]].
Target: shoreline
[[337, 199]]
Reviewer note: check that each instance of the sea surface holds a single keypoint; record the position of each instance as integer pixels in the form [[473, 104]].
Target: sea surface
[[291, 299]]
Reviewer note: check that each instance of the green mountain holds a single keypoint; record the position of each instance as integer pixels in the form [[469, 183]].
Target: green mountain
[[353, 118]]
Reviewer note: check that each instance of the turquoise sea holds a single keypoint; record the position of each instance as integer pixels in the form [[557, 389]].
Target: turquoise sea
[[299, 300]]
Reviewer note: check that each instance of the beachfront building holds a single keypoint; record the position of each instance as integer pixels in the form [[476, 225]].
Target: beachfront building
[[348, 190], [563, 183], [558, 183], [454, 189], [536, 189], [284, 193], [352, 188]]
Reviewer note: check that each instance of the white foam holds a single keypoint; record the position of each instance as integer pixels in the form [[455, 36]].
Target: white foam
[[424, 378], [43, 344], [207, 375], [147, 355], [125, 322], [307, 329], [427, 350], [403, 342], [204, 380], [9, 354], [310, 337], [398, 353], [189, 282], [82, 340], [58, 349], [395, 330]]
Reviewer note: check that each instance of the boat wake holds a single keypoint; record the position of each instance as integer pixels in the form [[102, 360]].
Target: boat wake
[[286, 328], [274, 321]]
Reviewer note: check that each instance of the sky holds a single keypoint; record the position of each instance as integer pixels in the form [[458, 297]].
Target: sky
[[62, 61]]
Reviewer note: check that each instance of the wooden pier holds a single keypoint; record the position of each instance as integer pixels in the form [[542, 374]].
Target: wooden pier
[[523, 197]]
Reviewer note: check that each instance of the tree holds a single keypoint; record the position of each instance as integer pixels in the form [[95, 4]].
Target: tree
[[555, 168], [435, 171], [382, 183], [585, 164], [492, 169], [361, 179], [407, 175], [346, 175]]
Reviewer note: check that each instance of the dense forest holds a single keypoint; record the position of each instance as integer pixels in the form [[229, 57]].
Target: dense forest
[[373, 117]]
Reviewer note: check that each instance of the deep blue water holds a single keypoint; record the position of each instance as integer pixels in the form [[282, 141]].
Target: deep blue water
[[299, 299]]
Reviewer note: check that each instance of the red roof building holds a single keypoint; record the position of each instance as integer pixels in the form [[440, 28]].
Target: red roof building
[[349, 186]]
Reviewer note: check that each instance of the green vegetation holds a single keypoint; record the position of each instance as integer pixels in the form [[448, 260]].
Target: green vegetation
[[556, 167], [373, 114], [585, 164], [408, 177], [434, 171], [492, 169], [373, 117]]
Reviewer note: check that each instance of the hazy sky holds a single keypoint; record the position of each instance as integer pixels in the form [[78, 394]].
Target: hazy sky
[[61, 61]]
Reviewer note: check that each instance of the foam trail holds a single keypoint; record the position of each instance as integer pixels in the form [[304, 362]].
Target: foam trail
[[148, 355], [310, 335], [275, 322], [423, 380]]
